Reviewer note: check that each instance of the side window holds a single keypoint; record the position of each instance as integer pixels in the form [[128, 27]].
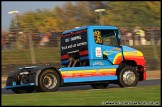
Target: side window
[[105, 37]]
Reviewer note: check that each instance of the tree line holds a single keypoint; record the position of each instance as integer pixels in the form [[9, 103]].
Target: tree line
[[81, 13]]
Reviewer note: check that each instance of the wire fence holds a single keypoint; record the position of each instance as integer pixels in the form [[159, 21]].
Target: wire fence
[[38, 48]]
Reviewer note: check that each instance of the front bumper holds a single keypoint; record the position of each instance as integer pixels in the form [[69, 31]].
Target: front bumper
[[21, 85], [21, 77]]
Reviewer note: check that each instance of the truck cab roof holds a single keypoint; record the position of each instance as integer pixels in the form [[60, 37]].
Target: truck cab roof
[[90, 26]]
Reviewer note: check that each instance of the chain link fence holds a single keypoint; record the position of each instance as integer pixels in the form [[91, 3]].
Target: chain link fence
[[30, 48]]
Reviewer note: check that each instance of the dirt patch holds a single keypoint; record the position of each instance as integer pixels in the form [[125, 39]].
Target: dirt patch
[[153, 74]]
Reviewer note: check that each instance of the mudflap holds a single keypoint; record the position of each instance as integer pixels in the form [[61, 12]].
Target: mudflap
[[144, 75]]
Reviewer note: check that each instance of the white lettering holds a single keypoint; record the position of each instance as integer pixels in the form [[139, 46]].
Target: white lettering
[[63, 48], [70, 46], [67, 40], [82, 43], [75, 38], [73, 45]]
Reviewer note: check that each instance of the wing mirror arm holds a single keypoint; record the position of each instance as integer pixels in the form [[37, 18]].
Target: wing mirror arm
[[118, 39]]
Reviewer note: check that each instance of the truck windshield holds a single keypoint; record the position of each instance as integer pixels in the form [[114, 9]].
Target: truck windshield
[[105, 37]]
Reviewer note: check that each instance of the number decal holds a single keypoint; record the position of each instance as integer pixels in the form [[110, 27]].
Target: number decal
[[97, 36]]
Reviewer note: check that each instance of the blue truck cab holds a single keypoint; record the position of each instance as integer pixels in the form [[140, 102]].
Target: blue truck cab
[[89, 55]]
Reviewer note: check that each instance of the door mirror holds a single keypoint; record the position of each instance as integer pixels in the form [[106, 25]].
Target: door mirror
[[118, 39], [118, 36]]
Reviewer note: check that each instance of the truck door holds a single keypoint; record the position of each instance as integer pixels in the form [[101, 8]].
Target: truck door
[[110, 50]]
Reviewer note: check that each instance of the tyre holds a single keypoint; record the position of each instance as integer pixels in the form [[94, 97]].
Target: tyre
[[128, 77], [23, 90], [99, 85], [48, 81]]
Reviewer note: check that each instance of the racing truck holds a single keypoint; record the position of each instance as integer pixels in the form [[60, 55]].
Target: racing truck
[[90, 55]]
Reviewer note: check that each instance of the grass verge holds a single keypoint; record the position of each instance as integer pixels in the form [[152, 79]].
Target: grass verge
[[142, 95]]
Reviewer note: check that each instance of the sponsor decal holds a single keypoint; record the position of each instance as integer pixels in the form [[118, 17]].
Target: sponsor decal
[[98, 52]]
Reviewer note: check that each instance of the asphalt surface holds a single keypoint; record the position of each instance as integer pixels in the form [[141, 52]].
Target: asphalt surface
[[88, 87]]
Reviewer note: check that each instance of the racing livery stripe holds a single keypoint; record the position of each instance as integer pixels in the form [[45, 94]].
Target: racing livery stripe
[[83, 52], [94, 78], [88, 73], [134, 55], [64, 56]]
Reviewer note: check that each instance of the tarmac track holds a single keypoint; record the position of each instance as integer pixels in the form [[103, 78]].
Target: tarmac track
[[88, 87]]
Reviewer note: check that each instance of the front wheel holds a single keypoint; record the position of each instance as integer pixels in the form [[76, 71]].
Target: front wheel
[[49, 81], [128, 77], [99, 85]]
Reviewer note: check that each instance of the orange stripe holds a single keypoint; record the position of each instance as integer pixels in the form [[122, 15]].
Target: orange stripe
[[88, 74], [118, 60], [136, 57]]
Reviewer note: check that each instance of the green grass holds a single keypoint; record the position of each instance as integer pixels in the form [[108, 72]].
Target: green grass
[[45, 55], [23, 56], [85, 97]]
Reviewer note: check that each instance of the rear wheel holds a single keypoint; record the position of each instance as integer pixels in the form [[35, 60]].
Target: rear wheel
[[23, 90], [128, 77], [48, 81], [99, 85]]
